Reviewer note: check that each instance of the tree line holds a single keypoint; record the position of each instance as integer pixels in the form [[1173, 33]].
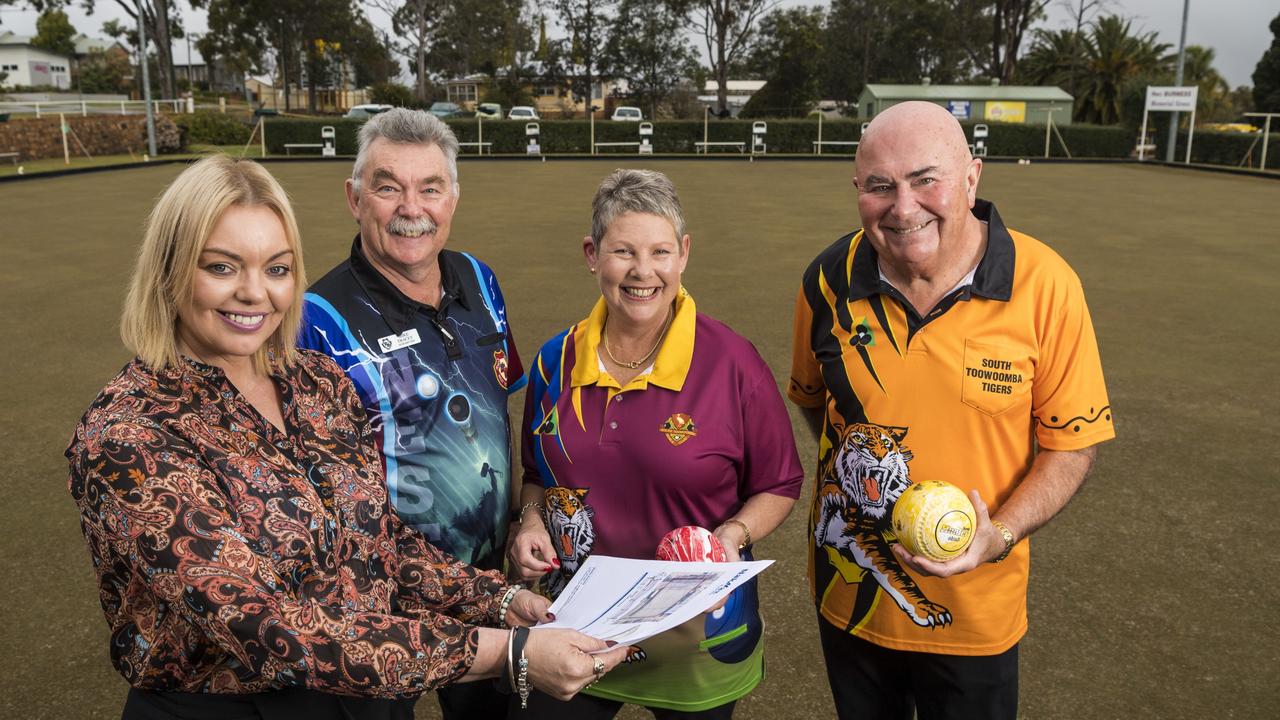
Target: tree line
[[667, 49]]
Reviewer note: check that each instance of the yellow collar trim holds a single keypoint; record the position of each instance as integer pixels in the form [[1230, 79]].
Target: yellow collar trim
[[670, 368]]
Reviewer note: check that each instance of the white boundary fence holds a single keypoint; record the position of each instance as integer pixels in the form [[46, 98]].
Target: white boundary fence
[[94, 107], [1266, 134]]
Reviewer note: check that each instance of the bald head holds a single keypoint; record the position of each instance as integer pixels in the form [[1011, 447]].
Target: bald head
[[924, 127], [916, 185]]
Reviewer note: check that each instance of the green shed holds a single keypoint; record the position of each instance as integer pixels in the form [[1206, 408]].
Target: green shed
[[991, 103]]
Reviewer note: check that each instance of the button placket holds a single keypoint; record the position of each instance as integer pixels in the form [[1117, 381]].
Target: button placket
[[617, 399], [608, 420]]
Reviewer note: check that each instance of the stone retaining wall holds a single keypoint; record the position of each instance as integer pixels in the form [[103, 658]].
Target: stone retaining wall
[[34, 139]]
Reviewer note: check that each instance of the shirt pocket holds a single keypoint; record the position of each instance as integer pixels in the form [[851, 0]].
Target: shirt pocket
[[995, 377]]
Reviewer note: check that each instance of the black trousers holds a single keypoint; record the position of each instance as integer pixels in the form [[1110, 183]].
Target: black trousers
[[472, 701], [462, 701], [587, 707], [870, 682], [288, 704]]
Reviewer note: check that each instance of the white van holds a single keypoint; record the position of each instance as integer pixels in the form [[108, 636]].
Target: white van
[[522, 112], [628, 114], [364, 112]]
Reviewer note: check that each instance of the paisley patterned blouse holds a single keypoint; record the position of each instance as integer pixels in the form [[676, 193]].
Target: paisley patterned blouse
[[235, 558]]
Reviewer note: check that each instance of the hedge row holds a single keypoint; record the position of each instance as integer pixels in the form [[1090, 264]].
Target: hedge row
[[212, 128], [783, 136], [1219, 148]]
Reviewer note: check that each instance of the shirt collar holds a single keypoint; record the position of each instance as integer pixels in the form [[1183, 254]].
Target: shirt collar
[[394, 304], [992, 278], [670, 368]]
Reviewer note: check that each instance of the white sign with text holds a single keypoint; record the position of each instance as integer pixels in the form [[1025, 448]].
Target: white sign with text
[[1171, 99]]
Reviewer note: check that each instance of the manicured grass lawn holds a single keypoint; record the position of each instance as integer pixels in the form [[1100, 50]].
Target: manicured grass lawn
[[1149, 595]]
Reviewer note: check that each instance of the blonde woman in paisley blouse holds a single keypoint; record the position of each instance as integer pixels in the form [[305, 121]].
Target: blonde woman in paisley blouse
[[231, 494]]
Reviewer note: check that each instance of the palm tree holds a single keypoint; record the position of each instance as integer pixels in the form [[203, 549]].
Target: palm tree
[[1114, 56], [1095, 65], [1055, 58], [1213, 101]]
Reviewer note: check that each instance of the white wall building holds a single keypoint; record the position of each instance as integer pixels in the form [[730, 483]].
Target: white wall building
[[27, 65], [738, 92]]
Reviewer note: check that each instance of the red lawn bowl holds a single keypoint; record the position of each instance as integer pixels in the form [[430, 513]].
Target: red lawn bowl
[[691, 544]]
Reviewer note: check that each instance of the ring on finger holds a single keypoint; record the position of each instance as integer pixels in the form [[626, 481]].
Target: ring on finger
[[597, 669]]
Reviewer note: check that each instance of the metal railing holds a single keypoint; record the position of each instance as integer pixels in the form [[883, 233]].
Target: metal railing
[[94, 107]]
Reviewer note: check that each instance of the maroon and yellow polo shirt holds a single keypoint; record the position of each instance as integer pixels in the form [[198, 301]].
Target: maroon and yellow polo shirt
[[685, 443]]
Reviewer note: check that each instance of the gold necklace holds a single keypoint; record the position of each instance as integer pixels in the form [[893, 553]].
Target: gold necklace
[[604, 336]]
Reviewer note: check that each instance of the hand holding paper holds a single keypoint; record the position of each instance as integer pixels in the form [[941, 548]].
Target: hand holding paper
[[627, 601]]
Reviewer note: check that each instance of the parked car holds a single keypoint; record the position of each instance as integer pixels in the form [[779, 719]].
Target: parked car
[[522, 112], [489, 110], [445, 110], [364, 112], [628, 114]]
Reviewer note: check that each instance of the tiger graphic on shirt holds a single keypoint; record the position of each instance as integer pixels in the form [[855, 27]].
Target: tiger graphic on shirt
[[865, 475], [569, 522]]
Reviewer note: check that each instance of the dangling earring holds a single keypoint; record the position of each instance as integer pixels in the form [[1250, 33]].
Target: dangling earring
[[593, 270]]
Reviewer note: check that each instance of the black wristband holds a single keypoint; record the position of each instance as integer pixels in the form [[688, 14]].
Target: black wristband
[[518, 640], [519, 636]]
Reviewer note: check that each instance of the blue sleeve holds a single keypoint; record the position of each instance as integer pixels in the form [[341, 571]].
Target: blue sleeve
[[497, 306], [325, 330]]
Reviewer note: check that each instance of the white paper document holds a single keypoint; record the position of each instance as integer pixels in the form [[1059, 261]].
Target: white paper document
[[628, 600]]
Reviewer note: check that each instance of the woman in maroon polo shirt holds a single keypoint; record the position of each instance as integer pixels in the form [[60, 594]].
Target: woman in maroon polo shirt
[[644, 417], [231, 494]]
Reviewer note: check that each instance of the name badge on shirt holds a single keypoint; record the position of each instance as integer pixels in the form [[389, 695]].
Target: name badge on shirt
[[403, 340]]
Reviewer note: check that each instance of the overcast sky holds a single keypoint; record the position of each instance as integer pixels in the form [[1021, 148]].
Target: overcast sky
[[1236, 29]]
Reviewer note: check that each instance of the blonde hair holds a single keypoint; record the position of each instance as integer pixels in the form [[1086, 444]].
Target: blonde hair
[[175, 235]]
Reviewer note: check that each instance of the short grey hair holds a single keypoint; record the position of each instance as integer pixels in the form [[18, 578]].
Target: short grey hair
[[407, 127], [642, 191]]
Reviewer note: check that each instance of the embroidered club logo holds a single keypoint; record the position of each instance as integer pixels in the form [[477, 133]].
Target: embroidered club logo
[[678, 428], [862, 335], [500, 367], [549, 426]]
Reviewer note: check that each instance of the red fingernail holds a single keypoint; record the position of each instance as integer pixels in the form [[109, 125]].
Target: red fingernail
[[551, 617], [610, 643], [555, 561]]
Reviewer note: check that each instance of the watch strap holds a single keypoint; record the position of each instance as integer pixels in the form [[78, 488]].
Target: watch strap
[[1007, 535]]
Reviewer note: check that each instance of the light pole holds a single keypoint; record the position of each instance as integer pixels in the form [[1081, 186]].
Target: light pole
[[146, 79], [1182, 57], [191, 83]]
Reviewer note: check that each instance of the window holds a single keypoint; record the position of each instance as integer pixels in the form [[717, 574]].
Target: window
[[547, 91], [462, 93]]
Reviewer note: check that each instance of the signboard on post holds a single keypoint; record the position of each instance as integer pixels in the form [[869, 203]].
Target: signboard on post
[[1005, 111], [1169, 99], [959, 109]]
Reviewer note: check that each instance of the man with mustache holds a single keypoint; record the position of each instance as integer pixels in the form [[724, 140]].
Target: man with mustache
[[422, 332], [936, 344]]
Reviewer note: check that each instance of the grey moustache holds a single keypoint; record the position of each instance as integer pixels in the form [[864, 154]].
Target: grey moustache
[[404, 226]]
